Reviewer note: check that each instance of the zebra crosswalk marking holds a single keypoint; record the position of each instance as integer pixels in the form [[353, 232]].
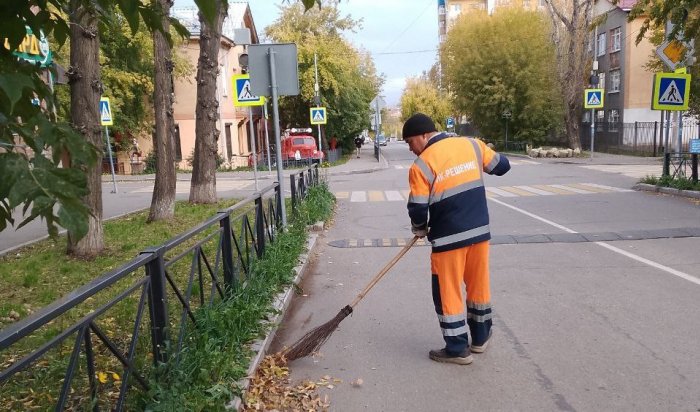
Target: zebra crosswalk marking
[[401, 242], [610, 188], [589, 188], [367, 242], [517, 191], [393, 195], [358, 196], [491, 192], [573, 189], [352, 242], [497, 191], [386, 242], [375, 196], [535, 190], [553, 189]]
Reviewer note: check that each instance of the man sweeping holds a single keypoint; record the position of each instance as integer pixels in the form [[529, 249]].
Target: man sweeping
[[447, 204]]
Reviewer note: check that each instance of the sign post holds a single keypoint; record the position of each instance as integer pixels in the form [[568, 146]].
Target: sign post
[[506, 115], [593, 99], [275, 71], [106, 119], [243, 97]]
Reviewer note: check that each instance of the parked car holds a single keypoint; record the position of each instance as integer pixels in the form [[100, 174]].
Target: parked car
[[381, 140], [299, 144]]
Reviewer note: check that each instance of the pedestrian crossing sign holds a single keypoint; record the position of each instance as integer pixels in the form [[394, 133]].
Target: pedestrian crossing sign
[[671, 91], [243, 95], [105, 112], [318, 115], [593, 98]]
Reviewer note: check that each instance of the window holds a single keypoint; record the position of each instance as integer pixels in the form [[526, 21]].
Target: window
[[600, 115], [178, 144], [613, 119], [616, 39], [601, 44], [543, 3], [614, 81], [586, 116], [601, 80], [224, 79]]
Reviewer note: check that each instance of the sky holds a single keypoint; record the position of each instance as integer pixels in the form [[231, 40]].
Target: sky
[[401, 35]]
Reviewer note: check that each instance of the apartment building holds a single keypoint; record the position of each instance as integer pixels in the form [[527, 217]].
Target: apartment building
[[621, 71], [234, 141], [450, 10]]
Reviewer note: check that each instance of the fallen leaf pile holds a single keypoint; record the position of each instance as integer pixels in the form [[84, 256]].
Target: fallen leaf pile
[[270, 389]]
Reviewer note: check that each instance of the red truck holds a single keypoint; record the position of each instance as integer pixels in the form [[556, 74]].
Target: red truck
[[300, 140]]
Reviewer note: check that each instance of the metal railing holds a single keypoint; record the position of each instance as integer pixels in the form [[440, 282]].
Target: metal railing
[[638, 138], [681, 165], [193, 270], [300, 182]]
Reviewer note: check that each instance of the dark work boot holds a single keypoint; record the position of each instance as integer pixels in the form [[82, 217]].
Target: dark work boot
[[464, 358]]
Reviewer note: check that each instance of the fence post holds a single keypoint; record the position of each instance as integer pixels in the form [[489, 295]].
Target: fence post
[[654, 147], [694, 167], [293, 187], [227, 250], [279, 199], [634, 145], [260, 225], [157, 305], [667, 164]]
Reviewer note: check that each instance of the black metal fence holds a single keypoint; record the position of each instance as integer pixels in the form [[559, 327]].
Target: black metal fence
[[638, 138], [333, 155], [87, 349], [681, 165]]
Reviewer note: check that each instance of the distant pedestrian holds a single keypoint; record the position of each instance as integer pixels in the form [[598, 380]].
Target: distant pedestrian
[[358, 145], [447, 204], [333, 143]]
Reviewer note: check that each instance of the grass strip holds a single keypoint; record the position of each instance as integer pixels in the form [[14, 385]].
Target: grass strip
[[681, 183], [203, 376]]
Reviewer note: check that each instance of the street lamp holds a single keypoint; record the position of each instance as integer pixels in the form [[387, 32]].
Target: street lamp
[[506, 115]]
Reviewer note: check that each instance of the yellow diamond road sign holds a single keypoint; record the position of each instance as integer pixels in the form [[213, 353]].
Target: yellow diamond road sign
[[671, 53], [593, 98]]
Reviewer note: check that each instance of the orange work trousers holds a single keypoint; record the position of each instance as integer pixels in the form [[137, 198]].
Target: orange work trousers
[[451, 270]]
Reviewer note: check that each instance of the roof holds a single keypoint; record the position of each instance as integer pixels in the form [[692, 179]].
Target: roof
[[236, 19], [626, 5]]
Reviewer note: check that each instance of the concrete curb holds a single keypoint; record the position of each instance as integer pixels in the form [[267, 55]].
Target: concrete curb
[[281, 303], [645, 187]]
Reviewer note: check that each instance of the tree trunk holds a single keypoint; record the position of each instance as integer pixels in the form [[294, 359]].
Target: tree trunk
[[163, 200], [203, 188], [86, 88], [574, 18]]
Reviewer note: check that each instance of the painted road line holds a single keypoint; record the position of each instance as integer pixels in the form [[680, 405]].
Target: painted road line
[[489, 194], [376, 196], [610, 188], [352, 242], [360, 196], [553, 189], [342, 195], [535, 190], [367, 243], [638, 258], [401, 242], [573, 189], [393, 196], [499, 192], [515, 190], [386, 242], [406, 194]]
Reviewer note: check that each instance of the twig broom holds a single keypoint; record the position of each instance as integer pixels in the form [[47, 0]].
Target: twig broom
[[315, 338]]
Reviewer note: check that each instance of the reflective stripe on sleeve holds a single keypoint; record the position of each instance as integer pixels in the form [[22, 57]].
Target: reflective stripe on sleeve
[[429, 176], [458, 237], [477, 152], [418, 199], [493, 163]]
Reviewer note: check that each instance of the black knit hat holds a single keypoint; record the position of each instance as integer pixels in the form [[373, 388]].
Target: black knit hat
[[418, 124]]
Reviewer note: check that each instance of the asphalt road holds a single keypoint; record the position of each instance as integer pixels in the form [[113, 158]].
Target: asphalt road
[[587, 326]]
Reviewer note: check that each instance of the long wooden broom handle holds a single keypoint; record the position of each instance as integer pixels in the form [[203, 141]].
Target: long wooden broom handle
[[383, 272]]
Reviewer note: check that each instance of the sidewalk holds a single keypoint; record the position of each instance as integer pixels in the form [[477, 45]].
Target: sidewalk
[[366, 163]]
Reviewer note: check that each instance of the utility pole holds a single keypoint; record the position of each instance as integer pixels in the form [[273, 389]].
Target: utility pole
[[594, 78], [317, 99]]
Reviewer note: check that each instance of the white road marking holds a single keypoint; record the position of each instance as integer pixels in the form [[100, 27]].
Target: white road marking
[[393, 195], [535, 190], [358, 196], [638, 258], [573, 189], [499, 192], [612, 189]]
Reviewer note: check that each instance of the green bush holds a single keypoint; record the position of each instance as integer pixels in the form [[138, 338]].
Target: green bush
[[681, 183]]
